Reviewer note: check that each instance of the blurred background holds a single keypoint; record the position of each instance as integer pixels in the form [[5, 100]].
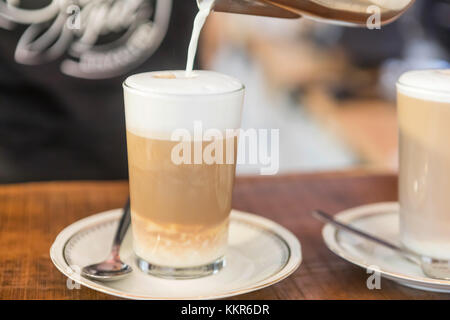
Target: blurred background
[[330, 90]]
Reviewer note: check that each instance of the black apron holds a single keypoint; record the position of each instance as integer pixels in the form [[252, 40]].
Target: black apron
[[59, 127]]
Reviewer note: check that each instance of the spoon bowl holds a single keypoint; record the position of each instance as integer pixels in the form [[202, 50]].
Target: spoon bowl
[[107, 270]]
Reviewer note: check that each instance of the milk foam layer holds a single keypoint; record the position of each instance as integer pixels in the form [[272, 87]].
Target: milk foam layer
[[426, 85], [157, 103], [177, 83]]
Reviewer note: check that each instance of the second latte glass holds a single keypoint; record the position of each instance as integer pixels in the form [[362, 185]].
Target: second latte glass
[[181, 168], [424, 177]]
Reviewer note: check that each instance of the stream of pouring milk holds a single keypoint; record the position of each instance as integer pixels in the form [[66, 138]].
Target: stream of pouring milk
[[204, 7]]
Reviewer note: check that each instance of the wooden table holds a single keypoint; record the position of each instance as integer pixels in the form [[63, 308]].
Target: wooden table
[[31, 215]]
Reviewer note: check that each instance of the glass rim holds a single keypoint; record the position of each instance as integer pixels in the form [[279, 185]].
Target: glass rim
[[421, 93], [421, 88], [401, 84], [181, 95]]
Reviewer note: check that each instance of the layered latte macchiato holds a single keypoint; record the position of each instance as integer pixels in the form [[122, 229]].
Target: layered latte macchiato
[[180, 210], [424, 181], [180, 198]]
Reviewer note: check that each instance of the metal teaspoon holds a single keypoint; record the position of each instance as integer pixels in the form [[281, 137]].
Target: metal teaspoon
[[112, 268], [433, 268]]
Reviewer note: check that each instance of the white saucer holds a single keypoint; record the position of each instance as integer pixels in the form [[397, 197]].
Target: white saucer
[[260, 254], [379, 219]]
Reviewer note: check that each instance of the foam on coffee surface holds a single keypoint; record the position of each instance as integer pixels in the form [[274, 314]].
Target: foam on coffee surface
[[177, 83], [157, 103], [426, 85]]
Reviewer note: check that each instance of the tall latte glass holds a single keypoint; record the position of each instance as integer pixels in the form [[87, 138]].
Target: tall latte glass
[[181, 136], [424, 181]]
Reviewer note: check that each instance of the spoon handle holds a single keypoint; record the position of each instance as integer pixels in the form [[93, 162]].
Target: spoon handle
[[320, 215], [124, 223]]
